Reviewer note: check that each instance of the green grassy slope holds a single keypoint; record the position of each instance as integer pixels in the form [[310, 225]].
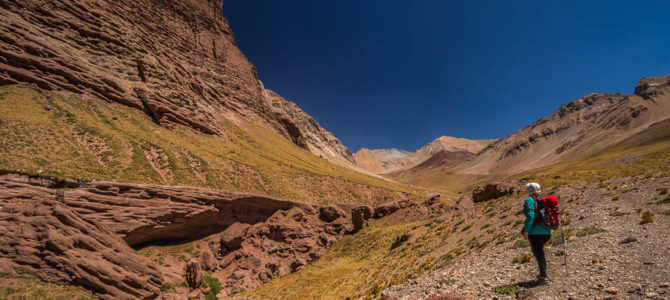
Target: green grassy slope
[[89, 139]]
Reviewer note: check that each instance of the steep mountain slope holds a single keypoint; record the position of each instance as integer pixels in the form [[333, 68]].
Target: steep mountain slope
[[384, 161], [87, 139], [175, 60], [584, 126]]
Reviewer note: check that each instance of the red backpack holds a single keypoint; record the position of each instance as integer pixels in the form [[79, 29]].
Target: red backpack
[[547, 213]]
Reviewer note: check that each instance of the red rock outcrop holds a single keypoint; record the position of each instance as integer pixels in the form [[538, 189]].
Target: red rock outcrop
[[85, 232], [43, 238], [289, 240], [175, 60], [494, 190]]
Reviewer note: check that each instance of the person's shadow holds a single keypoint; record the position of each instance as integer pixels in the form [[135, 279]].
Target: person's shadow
[[529, 284]]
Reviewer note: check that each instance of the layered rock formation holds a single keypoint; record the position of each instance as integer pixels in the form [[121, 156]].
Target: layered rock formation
[[81, 235], [175, 60], [583, 126], [43, 238], [445, 148]]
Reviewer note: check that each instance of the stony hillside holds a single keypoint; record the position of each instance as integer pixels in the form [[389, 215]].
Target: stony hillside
[[617, 248], [385, 161], [451, 253], [176, 61], [584, 126]]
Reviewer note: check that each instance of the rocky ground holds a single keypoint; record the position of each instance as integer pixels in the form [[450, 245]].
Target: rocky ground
[[610, 255]]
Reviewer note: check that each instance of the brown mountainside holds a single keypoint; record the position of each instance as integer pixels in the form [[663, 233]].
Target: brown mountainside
[[583, 126], [175, 60], [384, 161]]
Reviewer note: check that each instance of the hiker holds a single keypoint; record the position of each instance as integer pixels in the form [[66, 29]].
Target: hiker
[[536, 234]]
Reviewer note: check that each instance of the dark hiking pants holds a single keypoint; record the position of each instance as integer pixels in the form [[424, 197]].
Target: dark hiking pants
[[537, 245]]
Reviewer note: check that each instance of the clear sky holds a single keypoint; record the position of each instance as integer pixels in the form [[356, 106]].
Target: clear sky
[[398, 74]]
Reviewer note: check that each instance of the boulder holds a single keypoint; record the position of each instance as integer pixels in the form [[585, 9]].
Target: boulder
[[360, 216], [193, 274], [389, 208], [207, 260], [232, 237], [494, 190], [330, 213]]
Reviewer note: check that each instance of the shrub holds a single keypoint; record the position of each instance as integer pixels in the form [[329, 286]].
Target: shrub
[[615, 198], [618, 213], [589, 231], [447, 281], [168, 288], [667, 212], [521, 259], [508, 289], [214, 285], [664, 201], [662, 191], [519, 244], [646, 217]]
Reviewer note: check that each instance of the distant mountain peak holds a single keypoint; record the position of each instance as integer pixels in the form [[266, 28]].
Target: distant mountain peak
[[382, 161]]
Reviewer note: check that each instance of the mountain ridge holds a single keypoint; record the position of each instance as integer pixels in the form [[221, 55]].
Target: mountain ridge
[[385, 161], [178, 62], [586, 124]]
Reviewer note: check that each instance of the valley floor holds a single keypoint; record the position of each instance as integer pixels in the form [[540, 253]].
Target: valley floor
[[610, 255]]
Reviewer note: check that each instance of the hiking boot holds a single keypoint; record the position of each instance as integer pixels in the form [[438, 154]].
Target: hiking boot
[[543, 279]]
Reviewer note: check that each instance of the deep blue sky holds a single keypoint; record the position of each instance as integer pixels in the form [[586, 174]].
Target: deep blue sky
[[387, 73]]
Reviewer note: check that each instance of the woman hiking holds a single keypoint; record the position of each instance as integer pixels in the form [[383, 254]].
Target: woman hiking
[[536, 234]]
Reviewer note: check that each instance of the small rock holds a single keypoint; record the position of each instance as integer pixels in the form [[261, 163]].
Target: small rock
[[524, 294], [611, 290], [627, 240], [664, 285], [650, 295]]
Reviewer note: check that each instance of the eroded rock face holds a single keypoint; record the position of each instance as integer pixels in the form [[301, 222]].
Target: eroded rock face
[[494, 190], [262, 238], [43, 238], [286, 242], [175, 60], [143, 213]]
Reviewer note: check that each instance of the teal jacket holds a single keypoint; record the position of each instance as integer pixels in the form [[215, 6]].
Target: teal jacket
[[529, 225]]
